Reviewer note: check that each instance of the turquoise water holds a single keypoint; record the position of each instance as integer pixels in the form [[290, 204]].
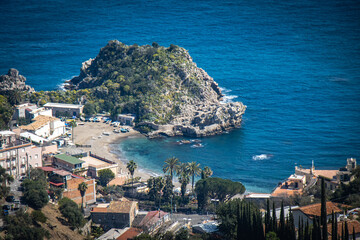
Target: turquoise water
[[295, 64]]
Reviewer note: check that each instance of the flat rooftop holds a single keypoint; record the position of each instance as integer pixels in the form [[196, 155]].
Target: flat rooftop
[[63, 105], [94, 162]]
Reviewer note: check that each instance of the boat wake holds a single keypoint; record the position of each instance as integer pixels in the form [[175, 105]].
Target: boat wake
[[262, 157]]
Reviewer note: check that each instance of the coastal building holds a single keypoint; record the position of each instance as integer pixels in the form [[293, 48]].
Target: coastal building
[[67, 162], [40, 111], [94, 164], [17, 155], [71, 190], [66, 110], [46, 127], [118, 214], [126, 119], [153, 220], [332, 178], [294, 185], [309, 212], [23, 110]]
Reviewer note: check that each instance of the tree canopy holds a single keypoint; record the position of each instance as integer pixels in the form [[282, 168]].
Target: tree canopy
[[105, 176], [216, 188]]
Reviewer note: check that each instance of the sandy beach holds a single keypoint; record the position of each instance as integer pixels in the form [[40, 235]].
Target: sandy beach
[[91, 133]]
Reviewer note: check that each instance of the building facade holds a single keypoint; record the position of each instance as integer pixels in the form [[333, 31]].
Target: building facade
[[62, 109], [17, 156]]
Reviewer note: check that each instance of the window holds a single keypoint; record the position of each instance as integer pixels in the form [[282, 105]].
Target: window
[[36, 165], [22, 150], [1, 154], [2, 164], [36, 156]]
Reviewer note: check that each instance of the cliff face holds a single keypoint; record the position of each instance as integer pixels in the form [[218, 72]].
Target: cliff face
[[168, 92], [13, 81]]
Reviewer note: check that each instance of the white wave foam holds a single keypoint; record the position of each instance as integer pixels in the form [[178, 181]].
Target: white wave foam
[[227, 97], [61, 85], [261, 157]]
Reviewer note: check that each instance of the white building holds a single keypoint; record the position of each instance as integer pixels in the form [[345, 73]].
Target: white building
[[40, 111], [46, 127], [64, 109]]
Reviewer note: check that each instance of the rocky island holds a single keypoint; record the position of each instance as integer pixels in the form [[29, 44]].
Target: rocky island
[[166, 90]]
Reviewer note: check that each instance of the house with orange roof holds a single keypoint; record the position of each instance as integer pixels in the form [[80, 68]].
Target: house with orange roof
[[118, 214], [309, 212], [153, 220], [130, 233], [353, 225]]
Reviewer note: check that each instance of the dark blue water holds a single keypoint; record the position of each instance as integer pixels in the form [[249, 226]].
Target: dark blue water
[[296, 65]]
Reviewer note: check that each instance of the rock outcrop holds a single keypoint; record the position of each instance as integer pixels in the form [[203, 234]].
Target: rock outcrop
[[170, 95], [13, 81]]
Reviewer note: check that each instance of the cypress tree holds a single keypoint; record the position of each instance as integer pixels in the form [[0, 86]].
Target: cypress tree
[[333, 231], [346, 231], [342, 232], [238, 233], [307, 235], [354, 236], [274, 220], [314, 231], [301, 230], [291, 224], [267, 217], [336, 227], [323, 210], [282, 222]]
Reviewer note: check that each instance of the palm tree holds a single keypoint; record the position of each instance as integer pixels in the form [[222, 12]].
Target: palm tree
[[194, 170], [82, 188], [4, 179], [184, 178], [72, 125], [131, 166], [206, 172], [171, 165]]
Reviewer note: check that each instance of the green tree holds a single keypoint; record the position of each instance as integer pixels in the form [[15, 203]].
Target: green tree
[[184, 178], [182, 234], [73, 125], [5, 179], [131, 166], [70, 210], [216, 188], [38, 216], [105, 176], [271, 236], [89, 109], [194, 170], [206, 172], [35, 193], [19, 226], [323, 210], [6, 112], [168, 189], [156, 186], [171, 165], [82, 188]]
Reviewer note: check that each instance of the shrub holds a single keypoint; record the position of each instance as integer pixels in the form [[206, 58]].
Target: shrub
[[38, 216]]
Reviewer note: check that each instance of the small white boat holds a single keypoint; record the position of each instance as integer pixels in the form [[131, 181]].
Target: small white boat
[[106, 133]]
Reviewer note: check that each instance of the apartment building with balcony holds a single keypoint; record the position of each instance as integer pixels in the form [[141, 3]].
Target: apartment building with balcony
[[17, 156]]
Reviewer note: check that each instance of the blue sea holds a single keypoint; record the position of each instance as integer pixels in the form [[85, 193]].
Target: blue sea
[[295, 64]]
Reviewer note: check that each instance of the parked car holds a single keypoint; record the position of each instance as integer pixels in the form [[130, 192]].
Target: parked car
[[10, 198]]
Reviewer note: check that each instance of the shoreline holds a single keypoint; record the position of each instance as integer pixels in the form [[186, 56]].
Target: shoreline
[[88, 133]]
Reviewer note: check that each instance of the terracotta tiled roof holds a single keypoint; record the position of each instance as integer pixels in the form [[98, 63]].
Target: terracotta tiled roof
[[39, 122], [117, 207], [351, 225], [315, 209], [129, 234], [47, 169], [152, 217], [326, 173]]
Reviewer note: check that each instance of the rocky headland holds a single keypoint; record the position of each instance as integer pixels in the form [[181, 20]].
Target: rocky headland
[[13, 81], [166, 90]]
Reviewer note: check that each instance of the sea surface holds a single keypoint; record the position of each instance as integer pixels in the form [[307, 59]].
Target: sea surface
[[295, 64]]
